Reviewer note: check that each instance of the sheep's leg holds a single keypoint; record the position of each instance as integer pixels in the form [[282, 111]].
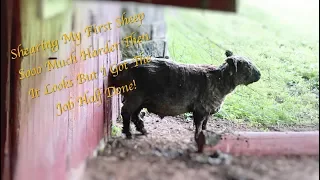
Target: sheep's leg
[[138, 122], [130, 105], [204, 124], [126, 122], [198, 120]]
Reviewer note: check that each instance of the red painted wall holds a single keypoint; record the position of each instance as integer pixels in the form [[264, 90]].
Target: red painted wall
[[47, 146]]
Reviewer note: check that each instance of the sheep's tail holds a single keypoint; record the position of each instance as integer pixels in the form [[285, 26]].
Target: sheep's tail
[[121, 79], [229, 53], [112, 81], [116, 81]]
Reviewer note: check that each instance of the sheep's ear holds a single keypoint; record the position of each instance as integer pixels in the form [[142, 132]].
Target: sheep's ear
[[232, 64], [228, 53]]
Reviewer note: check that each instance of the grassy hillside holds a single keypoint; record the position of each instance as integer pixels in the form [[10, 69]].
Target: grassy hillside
[[282, 39]]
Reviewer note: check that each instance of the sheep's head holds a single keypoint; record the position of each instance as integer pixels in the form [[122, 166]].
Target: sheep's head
[[241, 70]]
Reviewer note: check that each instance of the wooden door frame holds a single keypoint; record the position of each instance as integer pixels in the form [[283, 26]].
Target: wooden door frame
[[10, 86], [5, 80]]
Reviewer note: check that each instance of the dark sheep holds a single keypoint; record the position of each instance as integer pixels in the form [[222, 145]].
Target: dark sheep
[[168, 88]]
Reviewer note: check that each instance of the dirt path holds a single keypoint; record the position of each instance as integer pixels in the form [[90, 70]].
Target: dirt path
[[168, 153]]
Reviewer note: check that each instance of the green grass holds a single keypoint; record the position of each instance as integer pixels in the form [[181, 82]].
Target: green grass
[[115, 131], [282, 42]]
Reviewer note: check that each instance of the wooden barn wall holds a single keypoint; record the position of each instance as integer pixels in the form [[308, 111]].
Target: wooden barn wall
[[48, 146]]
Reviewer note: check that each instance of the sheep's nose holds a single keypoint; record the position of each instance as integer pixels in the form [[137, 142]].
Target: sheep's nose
[[258, 75]]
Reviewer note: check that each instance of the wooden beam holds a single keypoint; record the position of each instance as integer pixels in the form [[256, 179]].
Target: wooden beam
[[16, 39], [262, 143], [219, 5]]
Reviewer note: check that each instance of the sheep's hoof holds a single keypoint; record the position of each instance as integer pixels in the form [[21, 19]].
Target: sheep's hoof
[[128, 135], [143, 131]]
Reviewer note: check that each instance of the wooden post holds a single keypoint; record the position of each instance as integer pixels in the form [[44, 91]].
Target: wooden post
[[6, 84]]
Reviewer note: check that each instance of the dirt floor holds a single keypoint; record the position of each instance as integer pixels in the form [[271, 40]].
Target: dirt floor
[[168, 152]]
